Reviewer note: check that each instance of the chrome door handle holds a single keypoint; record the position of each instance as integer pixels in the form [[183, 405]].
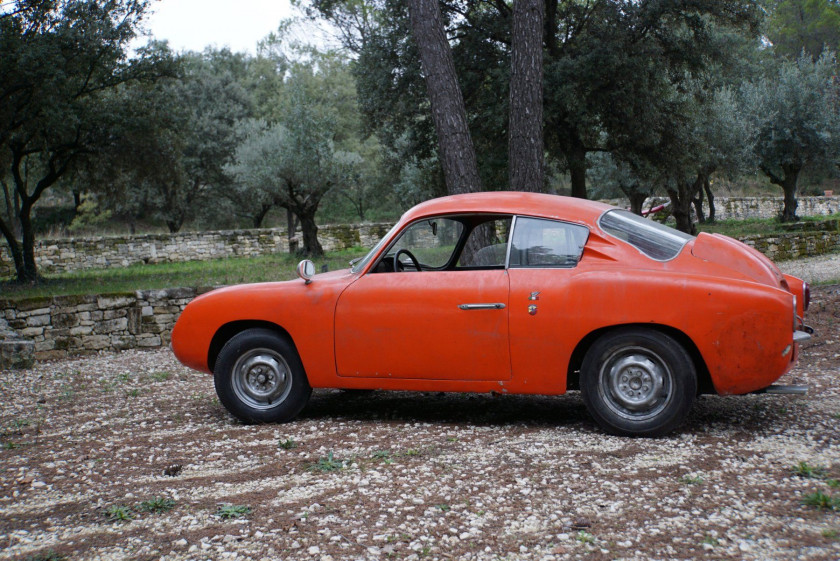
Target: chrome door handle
[[492, 306]]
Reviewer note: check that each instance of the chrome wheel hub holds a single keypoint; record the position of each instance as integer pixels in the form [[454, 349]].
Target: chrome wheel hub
[[261, 378], [636, 383]]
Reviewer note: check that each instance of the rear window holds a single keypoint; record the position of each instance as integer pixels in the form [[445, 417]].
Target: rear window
[[651, 238]]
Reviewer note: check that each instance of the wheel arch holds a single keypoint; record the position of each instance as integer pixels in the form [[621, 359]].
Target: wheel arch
[[228, 330], [704, 379]]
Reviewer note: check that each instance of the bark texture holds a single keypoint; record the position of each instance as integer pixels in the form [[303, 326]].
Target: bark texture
[[525, 136], [456, 150]]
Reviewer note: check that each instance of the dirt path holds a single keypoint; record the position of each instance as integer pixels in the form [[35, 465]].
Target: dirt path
[[408, 476]]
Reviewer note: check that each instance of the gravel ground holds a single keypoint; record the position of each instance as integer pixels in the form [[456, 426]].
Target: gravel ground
[[130, 456], [819, 269]]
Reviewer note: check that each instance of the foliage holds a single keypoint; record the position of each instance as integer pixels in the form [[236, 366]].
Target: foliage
[[119, 513], [62, 61], [229, 512], [821, 501], [157, 505], [795, 26], [327, 464], [796, 113], [803, 469]]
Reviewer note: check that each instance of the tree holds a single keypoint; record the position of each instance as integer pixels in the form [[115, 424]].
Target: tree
[[457, 154], [61, 62], [795, 26], [795, 110], [525, 135]]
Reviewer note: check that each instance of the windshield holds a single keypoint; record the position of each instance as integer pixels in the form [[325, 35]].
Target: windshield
[[651, 238], [361, 264]]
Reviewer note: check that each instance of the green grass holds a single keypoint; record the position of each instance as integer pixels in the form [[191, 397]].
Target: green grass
[[118, 513], [821, 501], [751, 226], [228, 512], [238, 270], [157, 505], [802, 469], [327, 464]]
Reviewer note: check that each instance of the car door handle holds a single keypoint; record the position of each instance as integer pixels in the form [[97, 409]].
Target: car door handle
[[491, 306]]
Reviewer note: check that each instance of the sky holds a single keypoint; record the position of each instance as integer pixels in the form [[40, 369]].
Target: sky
[[195, 24]]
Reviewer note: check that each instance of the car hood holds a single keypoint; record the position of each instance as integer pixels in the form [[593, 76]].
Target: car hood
[[738, 257]]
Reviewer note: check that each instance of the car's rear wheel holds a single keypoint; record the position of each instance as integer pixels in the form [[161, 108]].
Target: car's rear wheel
[[638, 382], [259, 377]]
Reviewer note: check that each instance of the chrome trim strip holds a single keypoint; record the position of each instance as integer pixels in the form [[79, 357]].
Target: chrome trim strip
[[510, 242], [800, 336], [492, 306], [784, 390]]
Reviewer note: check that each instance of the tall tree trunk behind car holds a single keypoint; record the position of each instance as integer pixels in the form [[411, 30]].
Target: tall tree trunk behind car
[[311, 245], [456, 150], [525, 136]]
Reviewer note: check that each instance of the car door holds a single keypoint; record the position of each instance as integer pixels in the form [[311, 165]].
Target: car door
[[543, 309], [447, 321]]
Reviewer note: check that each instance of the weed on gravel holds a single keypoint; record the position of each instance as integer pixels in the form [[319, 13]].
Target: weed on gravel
[[803, 469], [230, 512], [157, 505], [119, 513], [821, 501]]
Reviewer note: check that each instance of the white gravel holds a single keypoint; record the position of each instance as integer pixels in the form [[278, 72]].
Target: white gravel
[[820, 269], [409, 476]]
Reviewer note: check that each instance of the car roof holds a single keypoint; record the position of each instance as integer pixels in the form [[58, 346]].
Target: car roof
[[512, 202]]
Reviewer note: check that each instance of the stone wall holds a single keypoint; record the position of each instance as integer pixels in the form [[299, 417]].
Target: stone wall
[[56, 327], [75, 254], [63, 325]]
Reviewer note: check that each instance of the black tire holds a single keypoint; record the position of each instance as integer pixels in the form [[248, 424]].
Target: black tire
[[260, 379], [638, 382]]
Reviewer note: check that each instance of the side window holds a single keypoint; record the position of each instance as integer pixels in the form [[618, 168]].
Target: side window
[[487, 244], [431, 242], [546, 243]]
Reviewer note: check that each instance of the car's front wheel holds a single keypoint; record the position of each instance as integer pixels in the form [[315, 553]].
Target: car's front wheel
[[638, 382], [259, 377]]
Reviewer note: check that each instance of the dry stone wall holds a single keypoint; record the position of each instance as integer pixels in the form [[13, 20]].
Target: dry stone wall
[[63, 325], [76, 254]]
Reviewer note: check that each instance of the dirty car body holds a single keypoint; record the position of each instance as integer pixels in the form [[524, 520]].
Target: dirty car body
[[510, 293]]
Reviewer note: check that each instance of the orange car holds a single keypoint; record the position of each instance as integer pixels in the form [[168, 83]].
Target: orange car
[[511, 293]]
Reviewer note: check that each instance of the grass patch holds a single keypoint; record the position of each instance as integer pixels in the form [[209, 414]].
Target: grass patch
[[821, 501], [49, 555], [327, 464], [235, 270], [752, 226], [229, 512], [157, 505], [831, 534], [803, 469], [691, 480], [118, 513], [287, 444]]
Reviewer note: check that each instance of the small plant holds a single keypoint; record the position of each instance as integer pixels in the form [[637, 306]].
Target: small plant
[[411, 452], [821, 501], [118, 513], [831, 534], [691, 480], [20, 423], [585, 537], [287, 444], [132, 393], [227, 512], [327, 464], [710, 540], [802, 469], [444, 507], [384, 455], [49, 555], [833, 483], [160, 376], [10, 445], [157, 505], [123, 377]]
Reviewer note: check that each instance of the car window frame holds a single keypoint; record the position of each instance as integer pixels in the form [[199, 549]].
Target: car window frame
[[545, 267]]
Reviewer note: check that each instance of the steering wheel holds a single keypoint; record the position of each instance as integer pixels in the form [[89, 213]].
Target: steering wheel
[[397, 264]]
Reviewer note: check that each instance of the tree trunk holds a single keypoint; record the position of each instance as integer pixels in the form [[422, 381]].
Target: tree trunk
[[457, 153], [30, 267], [707, 186], [576, 158], [291, 224], [311, 245], [14, 249], [681, 198], [788, 185], [637, 201], [525, 135], [697, 201], [260, 216]]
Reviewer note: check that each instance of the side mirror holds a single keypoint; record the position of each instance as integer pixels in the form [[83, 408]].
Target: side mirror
[[306, 270]]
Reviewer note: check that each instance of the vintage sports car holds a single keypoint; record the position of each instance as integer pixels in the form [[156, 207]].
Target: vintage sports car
[[511, 293]]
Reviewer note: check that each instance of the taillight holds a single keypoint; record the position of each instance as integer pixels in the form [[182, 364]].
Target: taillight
[[806, 296]]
